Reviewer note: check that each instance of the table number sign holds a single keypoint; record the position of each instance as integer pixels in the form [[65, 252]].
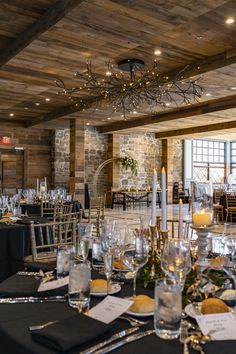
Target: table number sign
[[220, 326], [109, 309]]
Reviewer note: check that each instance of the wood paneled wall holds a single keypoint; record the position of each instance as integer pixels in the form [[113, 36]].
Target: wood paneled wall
[[35, 161]]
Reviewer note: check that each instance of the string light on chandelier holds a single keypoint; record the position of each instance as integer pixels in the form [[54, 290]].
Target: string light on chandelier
[[131, 86]]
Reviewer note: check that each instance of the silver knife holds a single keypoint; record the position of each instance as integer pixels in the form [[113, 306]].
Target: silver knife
[[110, 340], [129, 339], [31, 299], [29, 274]]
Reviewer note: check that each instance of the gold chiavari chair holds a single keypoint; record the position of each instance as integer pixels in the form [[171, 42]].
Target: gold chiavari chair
[[45, 239], [230, 206], [218, 209]]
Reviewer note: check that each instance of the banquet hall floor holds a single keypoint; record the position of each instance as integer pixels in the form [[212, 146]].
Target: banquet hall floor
[[135, 213], [132, 216]]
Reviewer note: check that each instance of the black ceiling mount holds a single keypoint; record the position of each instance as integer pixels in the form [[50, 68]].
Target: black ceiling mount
[[128, 64]]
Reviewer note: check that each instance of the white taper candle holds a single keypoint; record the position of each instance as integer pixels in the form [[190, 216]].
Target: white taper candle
[[163, 199], [154, 198], [180, 231]]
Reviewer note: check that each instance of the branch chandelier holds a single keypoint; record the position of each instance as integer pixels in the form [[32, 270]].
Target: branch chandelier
[[128, 89]]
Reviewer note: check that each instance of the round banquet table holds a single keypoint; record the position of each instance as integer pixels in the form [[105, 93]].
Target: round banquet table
[[15, 245], [15, 320]]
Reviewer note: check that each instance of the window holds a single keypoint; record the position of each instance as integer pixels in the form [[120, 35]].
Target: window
[[209, 160], [233, 157]]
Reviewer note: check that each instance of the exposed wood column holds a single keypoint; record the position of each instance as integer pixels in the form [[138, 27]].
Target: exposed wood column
[[172, 159], [165, 164], [25, 170], [113, 169], [77, 159]]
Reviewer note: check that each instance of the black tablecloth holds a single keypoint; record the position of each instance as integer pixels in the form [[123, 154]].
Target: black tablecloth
[[31, 209], [15, 245], [16, 318]]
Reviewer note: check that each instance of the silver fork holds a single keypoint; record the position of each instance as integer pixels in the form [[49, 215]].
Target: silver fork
[[41, 326], [133, 321]]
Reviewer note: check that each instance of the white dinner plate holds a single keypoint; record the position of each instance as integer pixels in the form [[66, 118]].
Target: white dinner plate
[[195, 310], [139, 314], [115, 288]]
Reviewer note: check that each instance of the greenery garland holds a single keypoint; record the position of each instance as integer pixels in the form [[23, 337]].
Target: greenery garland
[[128, 163], [191, 288]]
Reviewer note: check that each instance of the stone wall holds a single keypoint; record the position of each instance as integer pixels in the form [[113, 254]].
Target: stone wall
[[177, 153], [146, 149], [61, 158], [96, 151]]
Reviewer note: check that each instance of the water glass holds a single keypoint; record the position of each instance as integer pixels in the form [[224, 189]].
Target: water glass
[[79, 286], [17, 211], [168, 310], [65, 254], [97, 254]]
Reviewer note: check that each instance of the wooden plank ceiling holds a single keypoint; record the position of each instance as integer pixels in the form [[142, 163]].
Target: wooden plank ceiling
[[43, 40]]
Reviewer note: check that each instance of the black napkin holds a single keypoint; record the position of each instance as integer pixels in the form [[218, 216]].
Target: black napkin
[[17, 286], [71, 332]]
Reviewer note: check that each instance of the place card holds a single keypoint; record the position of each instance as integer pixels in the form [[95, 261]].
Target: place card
[[220, 326], [109, 309], [54, 284]]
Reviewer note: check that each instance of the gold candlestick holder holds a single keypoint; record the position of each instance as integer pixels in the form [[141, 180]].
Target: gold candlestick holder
[[153, 251]]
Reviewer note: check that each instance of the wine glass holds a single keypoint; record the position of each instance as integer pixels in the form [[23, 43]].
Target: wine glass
[[108, 242], [135, 254], [108, 259], [229, 267], [176, 260], [83, 241]]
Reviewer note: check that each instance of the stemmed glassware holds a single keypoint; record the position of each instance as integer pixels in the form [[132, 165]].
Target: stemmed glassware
[[135, 253], [176, 260], [109, 241], [83, 242], [229, 251]]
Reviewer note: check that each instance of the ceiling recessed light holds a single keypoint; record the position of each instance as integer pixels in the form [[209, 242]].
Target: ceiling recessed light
[[87, 123], [47, 99], [167, 104], [233, 88], [157, 52], [108, 73], [109, 118], [26, 108], [11, 114], [37, 104], [135, 112], [229, 20], [208, 94]]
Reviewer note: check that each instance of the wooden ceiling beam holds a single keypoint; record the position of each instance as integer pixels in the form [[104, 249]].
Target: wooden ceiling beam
[[62, 112], [12, 122], [202, 66], [197, 130], [196, 68], [54, 14], [210, 106]]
